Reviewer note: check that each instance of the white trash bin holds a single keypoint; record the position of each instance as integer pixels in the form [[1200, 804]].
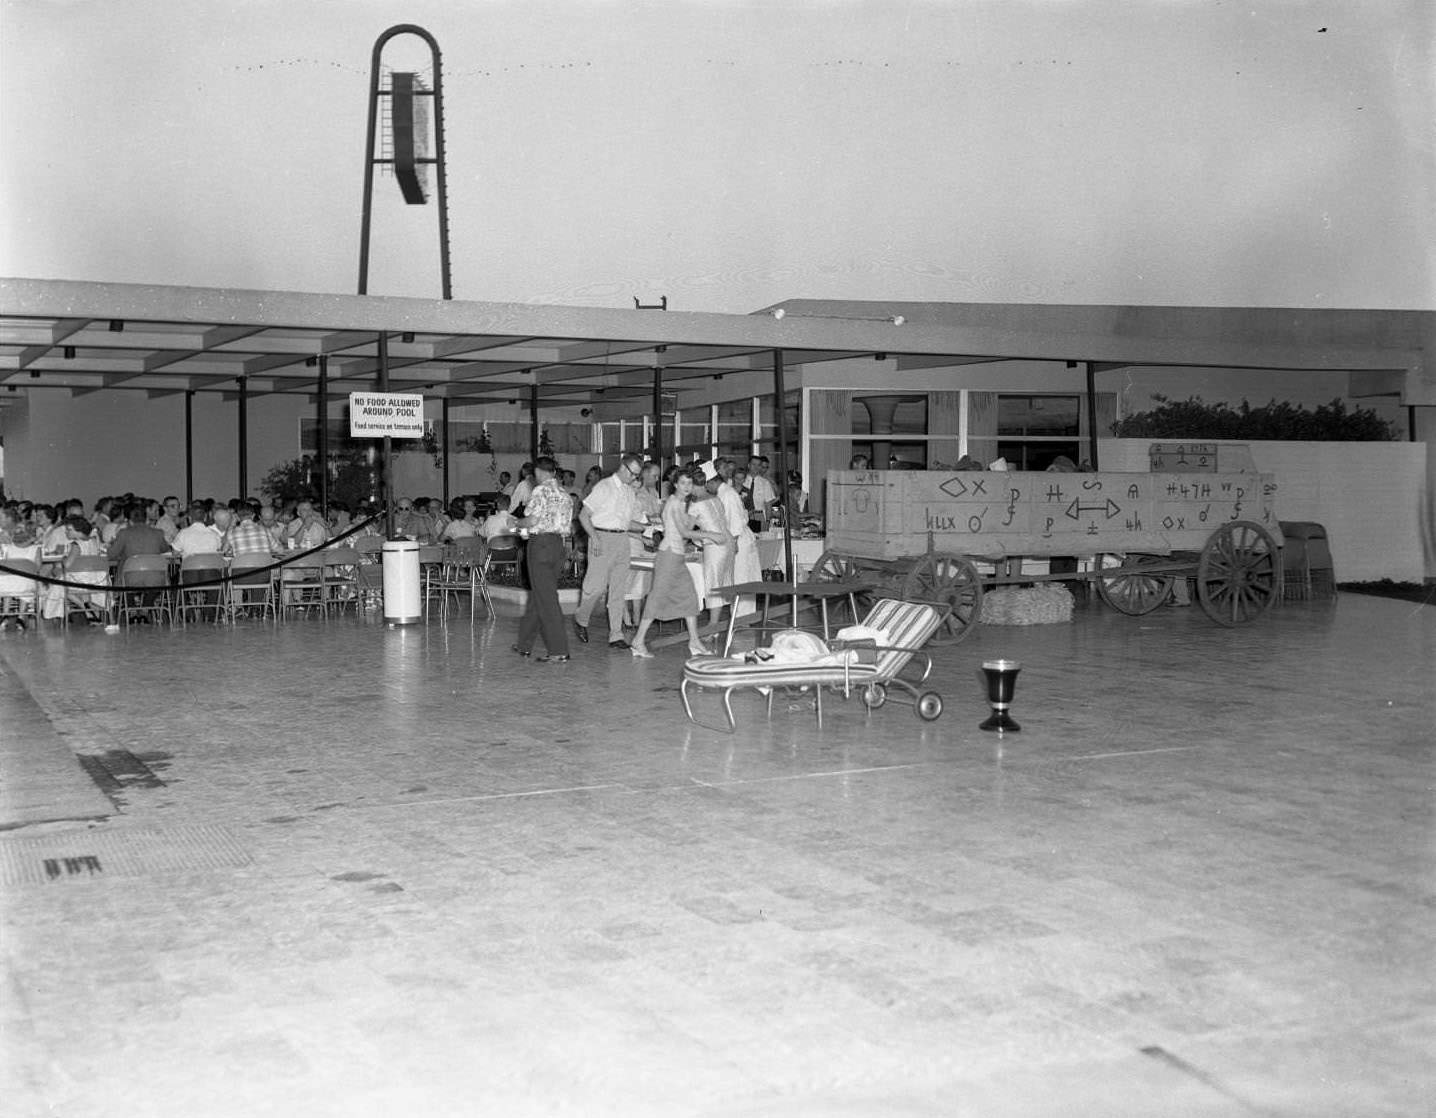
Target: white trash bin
[[402, 601]]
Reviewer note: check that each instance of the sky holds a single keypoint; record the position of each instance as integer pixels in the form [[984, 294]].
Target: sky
[[731, 155]]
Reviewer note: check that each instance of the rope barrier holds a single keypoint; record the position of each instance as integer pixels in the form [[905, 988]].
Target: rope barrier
[[218, 580]]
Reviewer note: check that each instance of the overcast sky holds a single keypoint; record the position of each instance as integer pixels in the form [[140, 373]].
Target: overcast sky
[[729, 155]]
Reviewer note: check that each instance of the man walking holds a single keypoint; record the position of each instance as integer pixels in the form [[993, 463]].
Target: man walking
[[609, 511], [549, 518]]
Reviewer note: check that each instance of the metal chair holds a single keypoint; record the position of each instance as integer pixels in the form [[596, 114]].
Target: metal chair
[[431, 568], [301, 586], [196, 601], [143, 592], [341, 578], [19, 592], [251, 586], [463, 572], [95, 604]]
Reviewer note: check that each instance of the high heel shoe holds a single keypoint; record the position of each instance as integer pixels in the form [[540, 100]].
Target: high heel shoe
[[640, 653]]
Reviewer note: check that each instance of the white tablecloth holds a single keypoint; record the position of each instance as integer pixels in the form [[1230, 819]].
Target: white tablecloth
[[805, 553]]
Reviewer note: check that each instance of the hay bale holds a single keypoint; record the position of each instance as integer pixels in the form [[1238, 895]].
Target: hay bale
[[1048, 604]]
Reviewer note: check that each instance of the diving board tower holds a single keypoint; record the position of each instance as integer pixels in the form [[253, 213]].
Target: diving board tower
[[405, 139]]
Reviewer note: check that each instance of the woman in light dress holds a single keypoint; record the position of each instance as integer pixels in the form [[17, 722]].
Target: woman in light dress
[[80, 540], [673, 595], [719, 548]]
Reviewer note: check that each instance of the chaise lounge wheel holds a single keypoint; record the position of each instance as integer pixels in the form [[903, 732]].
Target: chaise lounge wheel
[[929, 706], [874, 695]]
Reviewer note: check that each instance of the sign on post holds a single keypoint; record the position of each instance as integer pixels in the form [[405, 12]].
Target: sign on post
[[374, 415]]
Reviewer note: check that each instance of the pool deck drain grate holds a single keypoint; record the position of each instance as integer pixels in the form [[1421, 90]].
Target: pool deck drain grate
[[94, 855]]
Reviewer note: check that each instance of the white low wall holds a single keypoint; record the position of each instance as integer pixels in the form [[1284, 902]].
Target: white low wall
[[1373, 498]]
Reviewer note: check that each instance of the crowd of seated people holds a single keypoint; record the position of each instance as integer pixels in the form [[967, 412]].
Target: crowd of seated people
[[54, 534]]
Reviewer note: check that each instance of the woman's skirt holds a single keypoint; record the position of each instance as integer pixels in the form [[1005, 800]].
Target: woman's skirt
[[717, 570], [672, 595]]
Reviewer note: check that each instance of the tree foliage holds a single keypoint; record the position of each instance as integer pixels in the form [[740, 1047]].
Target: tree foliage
[[1194, 418], [352, 479]]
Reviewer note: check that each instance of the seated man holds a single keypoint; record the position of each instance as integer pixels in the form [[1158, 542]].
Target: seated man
[[500, 522], [137, 538]]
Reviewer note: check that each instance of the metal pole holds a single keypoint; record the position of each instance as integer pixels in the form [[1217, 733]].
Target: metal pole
[[533, 422], [1092, 415], [658, 414], [444, 450], [188, 447], [778, 410], [244, 436], [387, 459], [322, 408]]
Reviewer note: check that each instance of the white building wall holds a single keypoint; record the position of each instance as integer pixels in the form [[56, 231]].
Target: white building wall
[[1373, 498]]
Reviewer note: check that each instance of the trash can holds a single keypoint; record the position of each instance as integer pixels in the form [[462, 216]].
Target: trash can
[[402, 603]]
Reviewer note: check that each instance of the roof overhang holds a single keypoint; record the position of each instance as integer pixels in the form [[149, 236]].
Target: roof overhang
[[89, 337]]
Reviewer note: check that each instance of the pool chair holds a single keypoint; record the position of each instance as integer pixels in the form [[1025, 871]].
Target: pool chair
[[889, 658]]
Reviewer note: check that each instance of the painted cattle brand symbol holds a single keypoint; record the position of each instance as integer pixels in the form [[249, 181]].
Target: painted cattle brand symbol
[[1109, 507], [954, 487]]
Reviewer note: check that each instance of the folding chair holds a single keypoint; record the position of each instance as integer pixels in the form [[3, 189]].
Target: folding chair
[[252, 587], [301, 586], [20, 592], [341, 578], [431, 569], [94, 604], [462, 572], [198, 600], [143, 590], [875, 665]]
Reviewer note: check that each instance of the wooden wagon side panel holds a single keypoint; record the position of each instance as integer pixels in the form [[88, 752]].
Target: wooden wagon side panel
[[891, 514]]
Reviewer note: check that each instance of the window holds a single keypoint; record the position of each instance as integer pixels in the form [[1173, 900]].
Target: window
[[1032, 431]]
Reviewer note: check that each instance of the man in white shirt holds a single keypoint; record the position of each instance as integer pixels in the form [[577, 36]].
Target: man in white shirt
[[609, 512], [761, 489], [200, 538]]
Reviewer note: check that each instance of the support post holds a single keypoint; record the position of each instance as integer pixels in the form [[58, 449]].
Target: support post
[[1092, 415], [188, 447], [244, 436], [444, 449], [658, 415], [321, 407], [533, 422], [386, 462], [778, 412]]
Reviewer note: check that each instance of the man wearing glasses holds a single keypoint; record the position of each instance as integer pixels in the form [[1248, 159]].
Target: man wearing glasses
[[609, 512]]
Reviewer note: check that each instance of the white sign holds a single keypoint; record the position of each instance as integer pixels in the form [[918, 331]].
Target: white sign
[[373, 415]]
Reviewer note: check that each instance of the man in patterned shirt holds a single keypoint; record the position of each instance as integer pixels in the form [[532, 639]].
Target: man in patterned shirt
[[248, 536], [548, 518]]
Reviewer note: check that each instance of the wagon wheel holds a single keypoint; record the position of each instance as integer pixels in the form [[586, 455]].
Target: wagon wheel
[[1238, 573], [1128, 589], [948, 580], [834, 566]]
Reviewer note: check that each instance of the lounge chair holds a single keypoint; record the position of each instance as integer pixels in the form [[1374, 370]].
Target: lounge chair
[[875, 666]]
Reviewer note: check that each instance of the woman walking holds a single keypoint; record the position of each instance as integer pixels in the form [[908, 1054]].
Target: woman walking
[[673, 594]]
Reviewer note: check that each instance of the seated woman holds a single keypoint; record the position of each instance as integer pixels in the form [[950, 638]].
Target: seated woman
[[80, 540]]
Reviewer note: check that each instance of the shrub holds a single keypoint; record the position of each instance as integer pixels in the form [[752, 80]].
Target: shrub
[[1194, 418]]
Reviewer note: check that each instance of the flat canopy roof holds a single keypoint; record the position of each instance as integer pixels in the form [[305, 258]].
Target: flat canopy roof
[[90, 337]]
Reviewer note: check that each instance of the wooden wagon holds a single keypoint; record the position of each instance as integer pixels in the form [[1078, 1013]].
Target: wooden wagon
[[946, 536]]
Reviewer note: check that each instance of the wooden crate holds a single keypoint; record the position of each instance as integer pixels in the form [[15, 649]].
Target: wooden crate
[[890, 514]]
